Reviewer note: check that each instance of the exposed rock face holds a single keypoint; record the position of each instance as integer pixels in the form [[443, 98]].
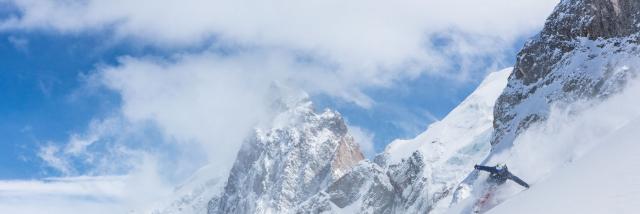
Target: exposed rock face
[[279, 167], [587, 49], [365, 189]]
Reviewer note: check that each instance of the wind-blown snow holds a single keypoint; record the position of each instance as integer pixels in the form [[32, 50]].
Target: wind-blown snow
[[583, 159], [594, 167], [606, 180]]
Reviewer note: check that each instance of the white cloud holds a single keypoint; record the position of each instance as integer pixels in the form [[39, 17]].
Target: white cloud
[[368, 42], [97, 129], [133, 193], [208, 99], [64, 195], [380, 28], [49, 155], [364, 138], [19, 43]]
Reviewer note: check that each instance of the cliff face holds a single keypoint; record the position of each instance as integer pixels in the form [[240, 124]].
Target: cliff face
[[587, 49]]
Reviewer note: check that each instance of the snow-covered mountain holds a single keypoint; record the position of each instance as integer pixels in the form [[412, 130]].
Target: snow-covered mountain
[[418, 175], [580, 163], [587, 49], [588, 52], [295, 156], [544, 117], [306, 162]]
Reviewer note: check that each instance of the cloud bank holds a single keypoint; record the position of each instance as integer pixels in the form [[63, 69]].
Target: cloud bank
[[208, 93], [374, 41]]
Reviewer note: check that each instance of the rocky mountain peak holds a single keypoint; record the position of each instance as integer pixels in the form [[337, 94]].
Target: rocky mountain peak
[[287, 161], [594, 19], [587, 49], [570, 21]]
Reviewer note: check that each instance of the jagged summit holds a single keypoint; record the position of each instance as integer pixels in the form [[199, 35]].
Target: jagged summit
[[283, 164], [571, 21], [593, 19]]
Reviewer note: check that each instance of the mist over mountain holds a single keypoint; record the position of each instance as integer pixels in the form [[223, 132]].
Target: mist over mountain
[[308, 107]]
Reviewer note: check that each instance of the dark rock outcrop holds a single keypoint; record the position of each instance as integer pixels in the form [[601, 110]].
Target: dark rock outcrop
[[585, 50]]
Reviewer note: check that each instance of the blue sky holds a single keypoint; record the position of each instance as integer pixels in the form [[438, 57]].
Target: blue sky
[[46, 97], [39, 80], [103, 88]]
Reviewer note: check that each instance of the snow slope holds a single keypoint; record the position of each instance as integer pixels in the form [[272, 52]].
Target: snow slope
[[593, 167], [606, 180], [582, 159], [463, 125], [449, 147], [558, 102]]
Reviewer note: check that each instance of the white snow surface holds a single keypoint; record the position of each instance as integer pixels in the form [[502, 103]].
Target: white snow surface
[[451, 146], [606, 180], [594, 169], [468, 122], [583, 159]]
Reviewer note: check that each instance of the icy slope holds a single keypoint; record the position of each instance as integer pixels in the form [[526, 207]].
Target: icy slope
[[606, 180], [593, 166], [463, 125], [574, 156]]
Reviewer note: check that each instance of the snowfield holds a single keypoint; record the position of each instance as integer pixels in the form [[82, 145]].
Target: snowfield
[[593, 166], [606, 180], [583, 159]]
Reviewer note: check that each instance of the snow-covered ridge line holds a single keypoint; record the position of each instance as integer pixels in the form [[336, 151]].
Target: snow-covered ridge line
[[470, 118], [419, 175]]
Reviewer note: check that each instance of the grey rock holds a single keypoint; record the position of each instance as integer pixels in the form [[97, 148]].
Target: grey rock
[[586, 50], [280, 166]]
